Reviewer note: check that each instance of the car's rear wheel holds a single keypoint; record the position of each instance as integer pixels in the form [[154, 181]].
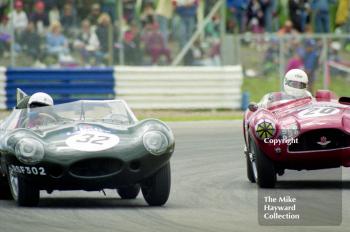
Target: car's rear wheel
[[129, 192], [265, 168], [23, 192], [156, 189], [5, 192]]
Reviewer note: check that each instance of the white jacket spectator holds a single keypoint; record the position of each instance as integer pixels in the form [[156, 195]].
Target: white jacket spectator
[[19, 17], [88, 45], [87, 38]]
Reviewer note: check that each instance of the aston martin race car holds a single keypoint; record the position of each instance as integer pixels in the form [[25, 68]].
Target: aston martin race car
[[300, 134], [84, 145]]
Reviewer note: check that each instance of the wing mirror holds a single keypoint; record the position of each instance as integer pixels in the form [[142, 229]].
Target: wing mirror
[[344, 100], [253, 107]]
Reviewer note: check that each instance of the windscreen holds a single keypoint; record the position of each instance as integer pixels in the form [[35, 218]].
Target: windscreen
[[111, 112], [277, 98]]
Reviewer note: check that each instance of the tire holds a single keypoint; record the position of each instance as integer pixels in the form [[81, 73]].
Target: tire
[[130, 192], [266, 173], [25, 193], [5, 192], [156, 189], [250, 172]]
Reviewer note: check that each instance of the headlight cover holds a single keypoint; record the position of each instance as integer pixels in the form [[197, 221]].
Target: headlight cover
[[155, 142], [29, 151], [265, 129], [290, 131]]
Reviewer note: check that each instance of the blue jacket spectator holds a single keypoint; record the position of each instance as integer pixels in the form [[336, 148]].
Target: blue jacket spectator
[[238, 4], [322, 5], [311, 61], [185, 11], [238, 9], [321, 10], [56, 42]]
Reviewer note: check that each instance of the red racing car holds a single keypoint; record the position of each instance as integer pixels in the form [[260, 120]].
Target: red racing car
[[287, 133]]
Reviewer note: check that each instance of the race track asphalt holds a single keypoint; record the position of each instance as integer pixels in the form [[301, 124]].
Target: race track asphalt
[[209, 192]]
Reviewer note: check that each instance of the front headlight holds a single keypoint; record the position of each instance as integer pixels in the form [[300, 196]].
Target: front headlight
[[155, 142], [29, 151], [290, 131]]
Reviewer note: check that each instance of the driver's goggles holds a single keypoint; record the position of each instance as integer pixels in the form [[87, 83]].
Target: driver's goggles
[[296, 84], [37, 104]]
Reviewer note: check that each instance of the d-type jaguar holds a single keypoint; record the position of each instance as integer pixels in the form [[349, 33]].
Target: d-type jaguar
[[84, 145]]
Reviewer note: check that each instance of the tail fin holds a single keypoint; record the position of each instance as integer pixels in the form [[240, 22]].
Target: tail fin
[[20, 94]]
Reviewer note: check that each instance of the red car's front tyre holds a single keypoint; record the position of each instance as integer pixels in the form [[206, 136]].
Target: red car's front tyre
[[250, 171], [265, 168]]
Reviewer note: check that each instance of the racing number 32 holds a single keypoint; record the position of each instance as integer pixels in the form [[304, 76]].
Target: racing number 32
[[94, 139], [318, 112]]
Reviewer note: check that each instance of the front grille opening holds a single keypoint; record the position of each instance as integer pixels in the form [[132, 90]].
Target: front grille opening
[[321, 139], [96, 167]]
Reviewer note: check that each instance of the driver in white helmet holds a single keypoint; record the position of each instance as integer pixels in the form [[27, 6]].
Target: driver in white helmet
[[295, 85], [37, 116], [40, 99]]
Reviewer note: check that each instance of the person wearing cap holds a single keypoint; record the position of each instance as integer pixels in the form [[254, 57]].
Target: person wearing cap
[[19, 17], [40, 17]]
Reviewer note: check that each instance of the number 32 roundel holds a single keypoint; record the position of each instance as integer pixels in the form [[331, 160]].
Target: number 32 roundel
[[318, 112], [92, 141]]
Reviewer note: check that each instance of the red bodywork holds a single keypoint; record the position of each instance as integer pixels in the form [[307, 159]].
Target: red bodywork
[[323, 125]]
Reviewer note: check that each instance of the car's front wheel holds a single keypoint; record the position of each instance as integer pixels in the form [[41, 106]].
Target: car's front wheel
[[23, 192], [265, 168], [129, 192], [251, 168], [156, 189]]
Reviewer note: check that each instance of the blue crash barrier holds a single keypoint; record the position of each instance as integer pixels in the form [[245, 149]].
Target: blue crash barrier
[[63, 84]]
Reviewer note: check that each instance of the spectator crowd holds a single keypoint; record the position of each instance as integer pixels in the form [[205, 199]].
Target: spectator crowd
[[90, 32], [288, 16], [151, 32]]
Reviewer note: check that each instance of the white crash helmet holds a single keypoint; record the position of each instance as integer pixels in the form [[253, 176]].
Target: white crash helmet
[[40, 99], [295, 83]]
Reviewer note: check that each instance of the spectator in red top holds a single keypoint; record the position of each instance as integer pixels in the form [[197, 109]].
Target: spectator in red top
[[154, 44], [40, 17], [296, 61], [132, 41]]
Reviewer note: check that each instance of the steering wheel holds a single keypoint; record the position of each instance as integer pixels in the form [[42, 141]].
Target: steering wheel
[[117, 117], [48, 118]]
